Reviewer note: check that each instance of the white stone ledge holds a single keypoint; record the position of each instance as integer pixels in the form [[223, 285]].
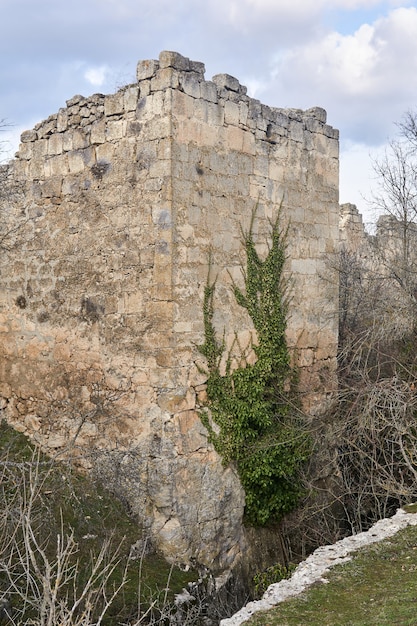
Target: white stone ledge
[[321, 561]]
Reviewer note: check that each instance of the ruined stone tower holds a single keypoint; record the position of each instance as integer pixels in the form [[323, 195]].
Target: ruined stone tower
[[124, 198]]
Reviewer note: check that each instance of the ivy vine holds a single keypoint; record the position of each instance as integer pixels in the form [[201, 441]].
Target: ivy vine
[[257, 428]]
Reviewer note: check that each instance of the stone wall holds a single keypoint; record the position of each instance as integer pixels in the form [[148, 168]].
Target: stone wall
[[126, 196], [379, 272], [353, 236]]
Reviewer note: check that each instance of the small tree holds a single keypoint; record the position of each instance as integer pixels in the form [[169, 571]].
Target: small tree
[[396, 197], [375, 421]]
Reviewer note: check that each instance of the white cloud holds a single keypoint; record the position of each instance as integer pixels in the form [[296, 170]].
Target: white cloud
[[370, 59], [244, 15], [341, 62], [400, 3], [283, 7], [96, 75], [308, 5], [367, 77]]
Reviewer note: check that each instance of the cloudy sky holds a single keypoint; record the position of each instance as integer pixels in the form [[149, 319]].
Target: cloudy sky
[[355, 58]]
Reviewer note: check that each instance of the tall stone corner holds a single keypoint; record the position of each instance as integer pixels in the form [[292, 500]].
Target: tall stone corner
[[120, 200]]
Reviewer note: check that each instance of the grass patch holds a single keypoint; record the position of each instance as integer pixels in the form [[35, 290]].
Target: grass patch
[[410, 508], [377, 588]]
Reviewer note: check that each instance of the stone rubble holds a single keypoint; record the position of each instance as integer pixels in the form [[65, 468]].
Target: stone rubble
[[317, 564]]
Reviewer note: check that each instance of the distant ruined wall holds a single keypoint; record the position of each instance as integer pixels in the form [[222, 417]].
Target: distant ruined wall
[[101, 301], [382, 267], [353, 236], [383, 248]]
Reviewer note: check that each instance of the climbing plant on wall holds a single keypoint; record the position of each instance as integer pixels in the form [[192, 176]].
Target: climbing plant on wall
[[257, 427]]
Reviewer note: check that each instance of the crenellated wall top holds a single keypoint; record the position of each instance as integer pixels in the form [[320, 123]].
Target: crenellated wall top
[[174, 71]]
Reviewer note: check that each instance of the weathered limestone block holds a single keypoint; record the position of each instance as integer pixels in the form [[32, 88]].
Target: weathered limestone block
[[296, 131], [146, 69], [114, 104], [175, 60], [231, 113], [158, 129], [75, 162], [51, 187], [98, 132], [130, 98], [79, 139], [209, 91], [155, 105], [39, 150], [183, 103], [191, 84], [46, 128], [198, 67], [115, 129], [318, 113], [28, 136], [165, 78], [226, 81], [74, 100], [84, 113], [55, 144], [25, 151]]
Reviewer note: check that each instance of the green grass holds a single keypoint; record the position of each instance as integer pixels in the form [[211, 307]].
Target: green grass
[[94, 516], [378, 587]]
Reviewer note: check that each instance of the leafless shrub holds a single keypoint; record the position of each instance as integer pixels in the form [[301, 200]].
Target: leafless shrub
[[377, 451], [375, 416], [320, 518], [48, 579], [41, 579]]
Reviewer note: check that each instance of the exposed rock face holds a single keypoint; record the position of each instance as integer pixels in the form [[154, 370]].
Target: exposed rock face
[[125, 196]]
